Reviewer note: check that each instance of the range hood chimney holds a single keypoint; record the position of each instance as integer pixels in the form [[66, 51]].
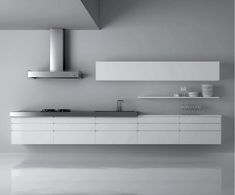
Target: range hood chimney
[[56, 60]]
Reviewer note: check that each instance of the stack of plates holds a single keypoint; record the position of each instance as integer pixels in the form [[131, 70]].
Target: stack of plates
[[193, 94]]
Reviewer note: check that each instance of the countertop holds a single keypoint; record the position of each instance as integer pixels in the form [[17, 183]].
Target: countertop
[[74, 114]]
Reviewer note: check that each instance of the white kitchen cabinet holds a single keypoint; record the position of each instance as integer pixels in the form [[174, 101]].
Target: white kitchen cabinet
[[72, 120], [179, 129], [158, 71], [144, 129], [34, 120], [32, 137], [116, 130], [32, 130], [158, 127], [116, 137], [32, 127], [74, 137], [195, 137], [74, 130], [116, 120], [158, 137], [200, 127], [192, 119], [116, 127], [162, 119], [74, 127]]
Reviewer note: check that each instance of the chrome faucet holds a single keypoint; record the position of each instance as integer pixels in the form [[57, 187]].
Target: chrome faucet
[[119, 105]]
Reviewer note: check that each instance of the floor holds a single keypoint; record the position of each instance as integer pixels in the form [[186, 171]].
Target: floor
[[71, 174]]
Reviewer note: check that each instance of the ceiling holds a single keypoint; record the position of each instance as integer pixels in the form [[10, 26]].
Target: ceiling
[[46, 14]]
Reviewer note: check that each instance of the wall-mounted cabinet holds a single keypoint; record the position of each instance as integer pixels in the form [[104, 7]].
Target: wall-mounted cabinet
[[158, 71], [144, 129]]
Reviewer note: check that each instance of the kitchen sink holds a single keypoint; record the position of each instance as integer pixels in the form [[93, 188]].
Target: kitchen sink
[[116, 113]]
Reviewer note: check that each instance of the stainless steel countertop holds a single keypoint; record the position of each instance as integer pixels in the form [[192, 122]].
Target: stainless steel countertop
[[74, 114]]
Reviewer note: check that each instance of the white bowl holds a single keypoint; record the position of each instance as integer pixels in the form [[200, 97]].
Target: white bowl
[[193, 94]]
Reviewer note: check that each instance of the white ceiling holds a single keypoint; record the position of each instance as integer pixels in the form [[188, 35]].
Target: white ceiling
[[45, 14]]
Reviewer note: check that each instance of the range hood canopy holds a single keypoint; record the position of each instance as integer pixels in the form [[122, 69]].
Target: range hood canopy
[[56, 60]]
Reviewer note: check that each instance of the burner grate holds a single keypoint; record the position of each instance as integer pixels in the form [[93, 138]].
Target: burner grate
[[54, 110]]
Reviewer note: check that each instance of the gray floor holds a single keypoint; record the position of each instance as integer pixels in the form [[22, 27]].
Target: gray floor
[[89, 174]]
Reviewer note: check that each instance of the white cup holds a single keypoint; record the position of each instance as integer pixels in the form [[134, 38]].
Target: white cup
[[207, 90]]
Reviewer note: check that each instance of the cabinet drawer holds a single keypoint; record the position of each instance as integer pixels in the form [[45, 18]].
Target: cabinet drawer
[[74, 137], [200, 119], [158, 119], [69, 120], [74, 127], [116, 120], [193, 137], [37, 137], [32, 120], [116, 137], [152, 137], [200, 127], [116, 127], [156, 127], [31, 127]]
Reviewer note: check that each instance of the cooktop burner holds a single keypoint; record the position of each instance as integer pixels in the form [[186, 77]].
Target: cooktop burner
[[54, 110]]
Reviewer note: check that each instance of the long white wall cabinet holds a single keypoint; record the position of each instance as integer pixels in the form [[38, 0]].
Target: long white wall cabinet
[[144, 129], [158, 71]]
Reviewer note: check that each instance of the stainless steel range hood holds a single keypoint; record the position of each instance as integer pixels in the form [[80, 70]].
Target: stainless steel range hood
[[56, 60]]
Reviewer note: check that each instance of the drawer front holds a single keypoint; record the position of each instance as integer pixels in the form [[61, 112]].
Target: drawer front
[[74, 127], [158, 119], [31, 127], [116, 127], [200, 119], [200, 137], [156, 127], [74, 137], [116, 137], [32, 120], [69, 120], [200, 127], [18, 137], [153, 137], [116, 120]]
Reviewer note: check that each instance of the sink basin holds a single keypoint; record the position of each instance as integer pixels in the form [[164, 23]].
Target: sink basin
[[116, 113]]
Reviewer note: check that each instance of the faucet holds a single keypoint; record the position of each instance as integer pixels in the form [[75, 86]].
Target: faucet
[[119, 105]]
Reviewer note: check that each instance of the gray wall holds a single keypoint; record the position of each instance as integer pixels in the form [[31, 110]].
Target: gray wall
[[132, 30]]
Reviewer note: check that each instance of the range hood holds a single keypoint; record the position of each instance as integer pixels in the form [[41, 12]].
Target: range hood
[[56, 60]]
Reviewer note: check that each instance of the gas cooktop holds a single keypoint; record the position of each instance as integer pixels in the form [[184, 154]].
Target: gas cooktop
[[55, 110]]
